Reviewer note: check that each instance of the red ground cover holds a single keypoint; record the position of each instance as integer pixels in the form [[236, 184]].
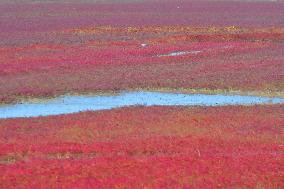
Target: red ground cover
[[37, 16], [111, 58], [50, 48], [139, 147]]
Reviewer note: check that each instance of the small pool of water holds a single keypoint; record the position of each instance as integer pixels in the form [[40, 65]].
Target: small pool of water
[[179, 53], [72, 104]]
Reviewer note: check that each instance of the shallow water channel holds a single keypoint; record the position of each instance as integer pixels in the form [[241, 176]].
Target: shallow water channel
[[72, 104]]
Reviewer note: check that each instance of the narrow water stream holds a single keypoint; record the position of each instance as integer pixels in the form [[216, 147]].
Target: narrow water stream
[[72, 104]]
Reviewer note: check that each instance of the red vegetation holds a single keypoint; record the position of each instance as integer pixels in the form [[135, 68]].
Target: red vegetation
[[111, 58], [48, 15], [51, 48], [155, 147], [48, 49]]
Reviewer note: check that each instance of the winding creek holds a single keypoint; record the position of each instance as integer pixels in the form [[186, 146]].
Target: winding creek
[[73, 104]]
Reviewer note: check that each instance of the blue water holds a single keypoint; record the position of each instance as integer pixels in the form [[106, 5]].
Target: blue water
[[72, 104]]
